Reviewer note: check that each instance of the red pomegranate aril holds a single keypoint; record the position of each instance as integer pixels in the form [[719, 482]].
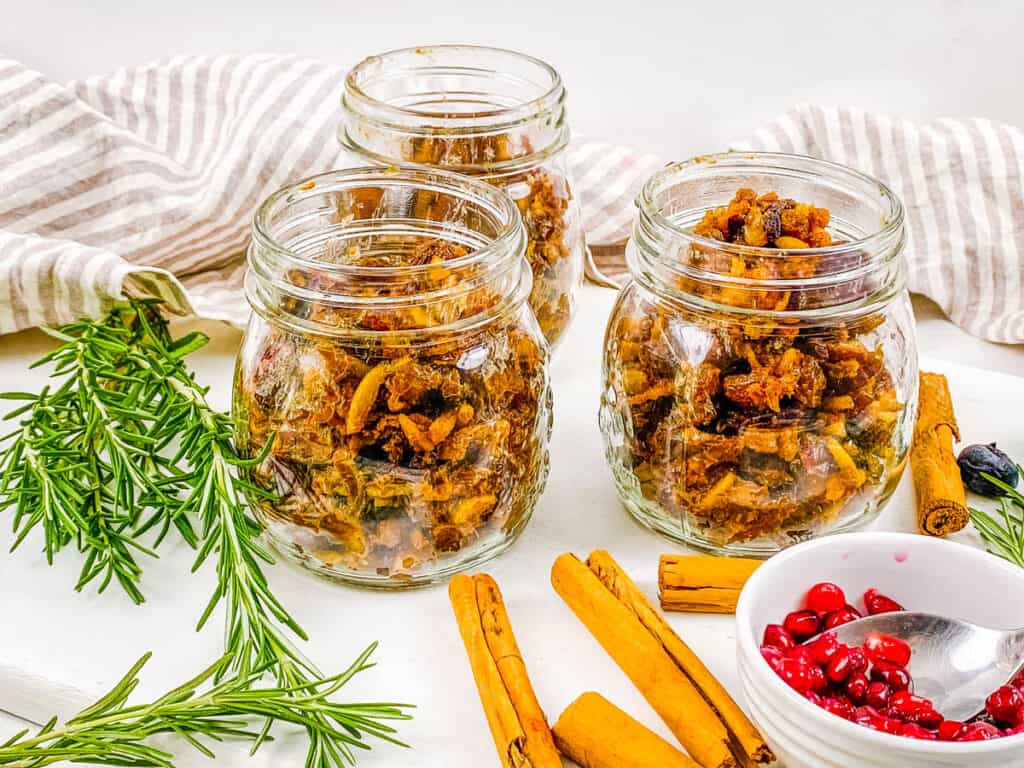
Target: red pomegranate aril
[[1018, 680], [858, 659], [818, 680], [825, 598], [875, 602], [776, 636], [897, 678], [856, 687], [979, 732], [915, 731], [838, 706], [1005, 705], [905, 701], [795, 674], [926, 717], [888, 649], [844, 615], [772, 655], [878, 695], [824, 648], [802, 654], [839, 668], [802, 625], [948, 730], [1015, 730], [814, 698]]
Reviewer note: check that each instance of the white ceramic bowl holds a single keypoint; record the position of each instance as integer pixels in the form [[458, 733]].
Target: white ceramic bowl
[[920, 572]]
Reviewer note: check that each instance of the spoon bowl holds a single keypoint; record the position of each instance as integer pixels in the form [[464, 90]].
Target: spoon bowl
[[954, 663]]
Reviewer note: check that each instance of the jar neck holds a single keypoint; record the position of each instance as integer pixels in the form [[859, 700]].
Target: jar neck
[[373, 253], [475, 110], [862, 271]]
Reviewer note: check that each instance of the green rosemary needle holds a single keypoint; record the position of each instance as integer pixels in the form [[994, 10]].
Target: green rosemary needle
[[1003, 532], [204, 709]]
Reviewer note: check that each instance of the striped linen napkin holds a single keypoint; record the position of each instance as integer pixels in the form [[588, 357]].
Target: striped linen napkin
[[145, 181]]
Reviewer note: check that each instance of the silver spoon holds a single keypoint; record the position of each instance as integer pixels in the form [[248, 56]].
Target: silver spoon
[[954, 663]]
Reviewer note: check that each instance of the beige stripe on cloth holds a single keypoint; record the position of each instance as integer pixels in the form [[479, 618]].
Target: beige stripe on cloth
[[145, 182]]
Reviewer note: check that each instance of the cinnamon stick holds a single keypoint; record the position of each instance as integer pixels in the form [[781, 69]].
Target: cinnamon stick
[[670, 676], [752, 746], [701, 583], [941, 500], [517, 723], [595, 733]]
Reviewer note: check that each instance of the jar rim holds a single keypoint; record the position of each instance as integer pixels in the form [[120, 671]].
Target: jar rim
[[391, 115], [890, 229], [499, 258], [511, 225]]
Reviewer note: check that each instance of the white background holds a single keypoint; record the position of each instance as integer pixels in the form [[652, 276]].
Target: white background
[[677, 78]]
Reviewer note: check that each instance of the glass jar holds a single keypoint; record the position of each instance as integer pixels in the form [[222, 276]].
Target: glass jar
[[754, 396], [392, 383], [488, 113]]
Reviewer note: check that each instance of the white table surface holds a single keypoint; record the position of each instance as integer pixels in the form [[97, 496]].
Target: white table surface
[[89, 640]]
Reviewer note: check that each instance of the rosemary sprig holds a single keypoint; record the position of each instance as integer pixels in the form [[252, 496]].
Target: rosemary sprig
[[204, 709], [127, 443], [83, 461], [1003, 533]]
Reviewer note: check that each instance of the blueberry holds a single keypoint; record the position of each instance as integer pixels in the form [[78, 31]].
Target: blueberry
[[977, 459]]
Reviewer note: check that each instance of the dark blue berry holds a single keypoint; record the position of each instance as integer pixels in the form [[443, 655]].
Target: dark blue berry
[[977, 459]]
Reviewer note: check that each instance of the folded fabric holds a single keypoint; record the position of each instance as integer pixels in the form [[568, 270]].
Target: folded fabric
[[145, 181]]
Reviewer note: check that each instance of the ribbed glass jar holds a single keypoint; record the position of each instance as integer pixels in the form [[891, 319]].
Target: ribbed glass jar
[[393, 373], [489, 113], [755, 397]]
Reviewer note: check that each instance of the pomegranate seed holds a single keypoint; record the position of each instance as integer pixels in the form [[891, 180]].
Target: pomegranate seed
[[839, 668], [949, 729], [915, 731], [876, 603], [858, 659], [1018, 680], [776, 636], [887, 648], [802, 624], [979, 732], [772, 655], [890, 725], [795, 674], [1015, 730], [926, 717], [837, 706], [844, 615], [878, 695], [856, 687], [814, 698], [825, 647], [905, 702], [818, 679], [872, 718], [802, 654], [1005, 705], [825, 598], [896, 678]]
